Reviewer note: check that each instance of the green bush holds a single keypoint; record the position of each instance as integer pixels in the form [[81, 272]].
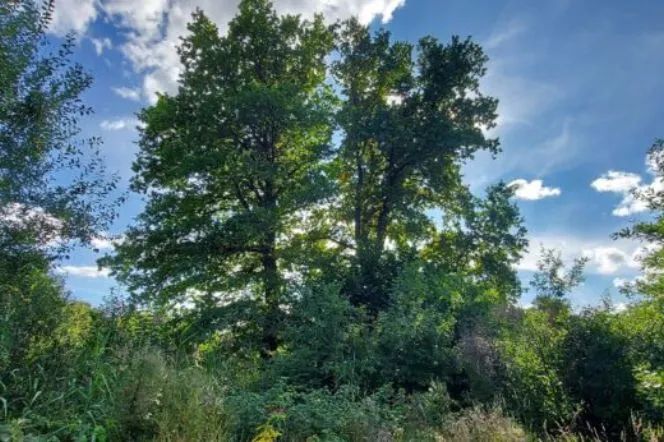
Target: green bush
[[598, 372], [533, 357]]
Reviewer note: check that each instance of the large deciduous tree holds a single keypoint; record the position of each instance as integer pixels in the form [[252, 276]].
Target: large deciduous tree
[[411, 116], [230, 163]]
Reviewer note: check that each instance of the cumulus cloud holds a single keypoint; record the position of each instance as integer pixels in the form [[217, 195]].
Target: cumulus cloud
[[155, 27], [83, 271], [609, 260], [119, 124], [100, 44], [615, 181], [73, 15], [128, 93], [533, 190], [629, 186], [605, 257]]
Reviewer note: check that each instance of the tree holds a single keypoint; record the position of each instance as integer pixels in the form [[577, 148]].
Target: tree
[[553, 283], [645, 320], [409, 121], [230, 165], [51, 185], [651, 232], [53, 188]]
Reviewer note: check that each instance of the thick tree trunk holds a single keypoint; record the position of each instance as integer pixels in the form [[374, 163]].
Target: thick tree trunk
[[358, 200], [272, 311], [271, 280]]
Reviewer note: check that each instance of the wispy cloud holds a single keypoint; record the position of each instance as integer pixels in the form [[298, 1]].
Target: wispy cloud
[[100, 44], [507, 32], [119, 124], [83, 271], [73, 15], [128, 93]]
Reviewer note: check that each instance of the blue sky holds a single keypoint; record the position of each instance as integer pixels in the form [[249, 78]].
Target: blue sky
[[579, 82]]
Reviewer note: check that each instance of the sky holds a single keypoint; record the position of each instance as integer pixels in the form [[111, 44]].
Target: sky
[[579, 83]]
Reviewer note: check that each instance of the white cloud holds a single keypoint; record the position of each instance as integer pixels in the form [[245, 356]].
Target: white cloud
[[609, 260], [615, 181], [83, 271], [629, 186], [101, 43], [155, 26], [504, 34], [522, 99], [73, 15], [105, 242], [606, 257], [18, 216], [119, 124], [621, 282], [394, 99], [129, 93], [533, 190], [620, 307]]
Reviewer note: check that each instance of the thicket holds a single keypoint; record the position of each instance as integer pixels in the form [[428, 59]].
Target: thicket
[[309, 266]]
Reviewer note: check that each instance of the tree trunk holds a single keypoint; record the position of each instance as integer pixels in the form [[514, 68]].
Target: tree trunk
[[272, 310], [271, 280]]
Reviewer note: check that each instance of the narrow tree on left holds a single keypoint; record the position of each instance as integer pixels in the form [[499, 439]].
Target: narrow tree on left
[[54, 191], [53, 185]]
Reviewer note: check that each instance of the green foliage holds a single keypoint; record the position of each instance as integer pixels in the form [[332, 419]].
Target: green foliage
[[40, 107], [316, 347], [596, 355], [253, 118], [552, 280], [415, 335], [650, 231], [552, 283], [284, 288], [534, 389], [411, 116], [643, 327]]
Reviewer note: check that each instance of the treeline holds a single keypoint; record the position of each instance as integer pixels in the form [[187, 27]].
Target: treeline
[[309, 266]]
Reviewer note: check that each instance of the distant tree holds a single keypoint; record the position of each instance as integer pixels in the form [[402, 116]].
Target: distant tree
[[552, 282], [230, 165]]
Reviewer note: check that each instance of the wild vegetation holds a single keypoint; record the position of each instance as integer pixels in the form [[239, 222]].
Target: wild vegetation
[[309, 266]]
